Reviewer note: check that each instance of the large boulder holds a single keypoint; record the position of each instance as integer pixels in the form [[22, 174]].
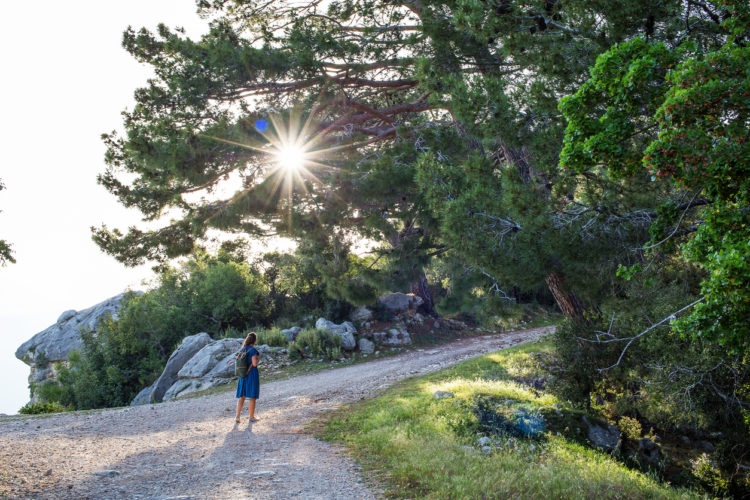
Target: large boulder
[[365, 346], [57, 341], [187, 349], [291, 333], [361, 314], [46, 351], [345, 330], [398, 336], [605, 437], [400, 302], [144, 397], [207, 359], [210, 366]]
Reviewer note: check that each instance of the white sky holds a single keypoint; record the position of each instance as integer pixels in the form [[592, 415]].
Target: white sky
[[64, 82]]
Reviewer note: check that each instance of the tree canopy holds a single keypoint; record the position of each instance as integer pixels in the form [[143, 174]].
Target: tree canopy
[[378, 91], [6, 249], [598, 149]]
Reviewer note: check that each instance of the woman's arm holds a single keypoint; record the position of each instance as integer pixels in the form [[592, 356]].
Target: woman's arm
[[254, 359]]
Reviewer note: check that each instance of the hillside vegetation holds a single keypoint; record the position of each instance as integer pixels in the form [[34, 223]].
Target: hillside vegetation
[[421, 445]]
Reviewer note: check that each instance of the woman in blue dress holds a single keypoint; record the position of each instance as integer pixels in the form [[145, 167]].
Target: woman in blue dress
[[249, 385]]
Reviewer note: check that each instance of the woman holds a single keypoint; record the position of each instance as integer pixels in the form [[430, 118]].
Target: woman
[[249, 385]]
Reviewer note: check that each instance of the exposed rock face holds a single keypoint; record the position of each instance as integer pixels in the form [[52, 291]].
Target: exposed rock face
[[206, 361], [398, 336], [649, 452], [291, 333], [400, 302], [208, 366], [345, 330], [46, 351], [365, 346], [361, 314], [188, 348], [605, 438], [144, 397]]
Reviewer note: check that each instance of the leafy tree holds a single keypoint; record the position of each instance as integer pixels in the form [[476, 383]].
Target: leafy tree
[[679, 118], [378, 85], [6, 249]]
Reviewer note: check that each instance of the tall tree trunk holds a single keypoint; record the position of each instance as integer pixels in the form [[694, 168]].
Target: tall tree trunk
[[421, 289], [568, 302]]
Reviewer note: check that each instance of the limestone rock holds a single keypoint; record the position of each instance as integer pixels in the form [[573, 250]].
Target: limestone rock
[[361, 314], [187, 349], [291, 333], [379, 337], [443, 395], [57, 341], [144, 397], [398, 336], [400, 302], [606, 438], [48, 350], [209, 367], [345, 330], [649, 452], [366, 347], [65, 316], [208, 357]]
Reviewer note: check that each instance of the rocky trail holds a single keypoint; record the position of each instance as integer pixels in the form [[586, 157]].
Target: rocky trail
[[193, 448]]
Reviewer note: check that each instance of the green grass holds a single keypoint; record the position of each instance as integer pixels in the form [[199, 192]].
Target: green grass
[[412, 442]]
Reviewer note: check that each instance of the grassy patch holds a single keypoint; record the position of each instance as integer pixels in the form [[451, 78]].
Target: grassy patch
[[425, 447]]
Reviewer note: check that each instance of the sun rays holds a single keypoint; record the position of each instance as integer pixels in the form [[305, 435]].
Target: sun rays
[[291, 152]]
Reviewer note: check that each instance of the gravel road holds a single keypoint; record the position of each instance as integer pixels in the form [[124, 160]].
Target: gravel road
[[193, 448]]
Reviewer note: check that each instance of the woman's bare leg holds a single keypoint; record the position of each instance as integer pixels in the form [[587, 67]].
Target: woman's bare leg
[[240, 403], [251, 404]]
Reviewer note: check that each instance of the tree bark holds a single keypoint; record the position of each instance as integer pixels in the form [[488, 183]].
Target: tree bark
[[568, 302], [421, 289]]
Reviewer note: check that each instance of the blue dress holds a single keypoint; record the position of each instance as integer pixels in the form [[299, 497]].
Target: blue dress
[[249, 386]]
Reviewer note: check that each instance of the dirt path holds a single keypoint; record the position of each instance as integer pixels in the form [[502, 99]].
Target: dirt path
[[193, 448]]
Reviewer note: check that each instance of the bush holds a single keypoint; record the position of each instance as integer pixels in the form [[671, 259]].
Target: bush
[[272, 337], [631, 428], [314, 343], [46, 407]]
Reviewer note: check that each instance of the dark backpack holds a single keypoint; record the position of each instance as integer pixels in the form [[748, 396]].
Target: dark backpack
[[242, 363]]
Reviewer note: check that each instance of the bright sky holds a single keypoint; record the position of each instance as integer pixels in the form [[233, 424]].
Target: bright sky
[[65, 81]]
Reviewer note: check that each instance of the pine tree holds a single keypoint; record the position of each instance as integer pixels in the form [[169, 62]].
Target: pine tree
[[434, 127]]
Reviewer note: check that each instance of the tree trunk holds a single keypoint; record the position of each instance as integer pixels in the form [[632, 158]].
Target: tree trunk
[[568, 302], [421, 289]]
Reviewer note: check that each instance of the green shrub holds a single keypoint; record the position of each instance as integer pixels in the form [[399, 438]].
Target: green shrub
[[272, 337], [314, 343], [631, 428], [709, 475], [46, 407]]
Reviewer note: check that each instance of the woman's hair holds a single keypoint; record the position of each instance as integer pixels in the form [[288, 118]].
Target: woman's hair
[[250, 339]]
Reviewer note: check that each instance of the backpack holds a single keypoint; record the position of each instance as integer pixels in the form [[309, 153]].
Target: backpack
[[242, 363]]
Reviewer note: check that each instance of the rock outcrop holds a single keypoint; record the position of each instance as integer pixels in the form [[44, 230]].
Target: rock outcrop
[[345, 330], [399, 302], [46, 351], [208, 368], [361, 314], [605, 437], [200, 363], [365, 346], [291, 333], [187, 349]]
